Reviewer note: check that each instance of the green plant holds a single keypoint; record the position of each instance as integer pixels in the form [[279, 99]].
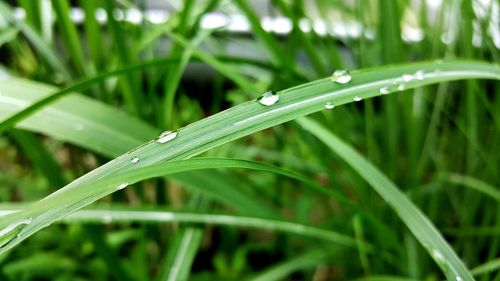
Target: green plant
[[407, 127]]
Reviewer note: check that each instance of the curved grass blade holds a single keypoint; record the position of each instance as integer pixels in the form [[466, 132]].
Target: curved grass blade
[[415, 220], [184, 246], [282, 270], [229, 125], [10, 120], [384, 278], [475, 184], [68, 120], [186, 243], [100, 128], [126, 215], [487, 267], [107, 186]]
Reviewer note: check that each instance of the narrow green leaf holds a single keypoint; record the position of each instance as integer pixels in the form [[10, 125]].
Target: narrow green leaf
[[384, 278], [487, 267], [284, 269], [70, 35], [415, 220], [232, 124], [473, 183], [153, 215]]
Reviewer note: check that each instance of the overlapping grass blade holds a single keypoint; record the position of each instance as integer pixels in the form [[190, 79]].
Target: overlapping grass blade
[[301, 262], [26, 106], [384, 278], [155, 215], [67, 119], [487, 267], [415, 220], [232, 124], [37, 103], [473, 183]]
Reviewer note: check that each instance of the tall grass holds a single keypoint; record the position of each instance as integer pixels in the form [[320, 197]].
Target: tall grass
[[392, 176]]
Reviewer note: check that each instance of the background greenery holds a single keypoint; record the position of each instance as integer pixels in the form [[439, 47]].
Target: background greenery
[[307, 202]]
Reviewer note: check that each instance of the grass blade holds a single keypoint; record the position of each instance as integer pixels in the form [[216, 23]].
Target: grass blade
[[415, 220], [148, 215], [37, 103], [229, 125], [475, 184], [487, 267], [282, 270], [70, 35]]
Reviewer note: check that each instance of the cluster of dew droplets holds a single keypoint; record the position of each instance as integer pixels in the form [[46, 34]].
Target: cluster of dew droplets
[[399, 84], [339, 76], [121, 186], [268, 98]]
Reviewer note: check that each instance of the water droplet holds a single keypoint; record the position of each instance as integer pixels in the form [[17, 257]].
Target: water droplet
[[401, 87], [407, 77], [107, 219], [12, 231], [437, 255], [268, 98], [121, 186], [419, 75], [357, 98], [134, 159], [329, 105], [166, 136], [78, 127], [341, 76], [440, 259], [384, 90], [458, 278]]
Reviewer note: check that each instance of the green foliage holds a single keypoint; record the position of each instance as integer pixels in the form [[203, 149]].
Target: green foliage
[[392, 176]]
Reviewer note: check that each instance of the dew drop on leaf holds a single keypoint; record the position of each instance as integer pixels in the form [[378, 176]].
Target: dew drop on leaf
[[329, 105], [357, 98], [107, 219], [166, 136], [268, 98], [121, 186], [384, 90], [341, 76], [134, 159], [407, 77], [78, 127], [419, 75]]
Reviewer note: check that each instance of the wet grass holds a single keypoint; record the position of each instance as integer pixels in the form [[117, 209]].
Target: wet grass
[[392, 176]]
